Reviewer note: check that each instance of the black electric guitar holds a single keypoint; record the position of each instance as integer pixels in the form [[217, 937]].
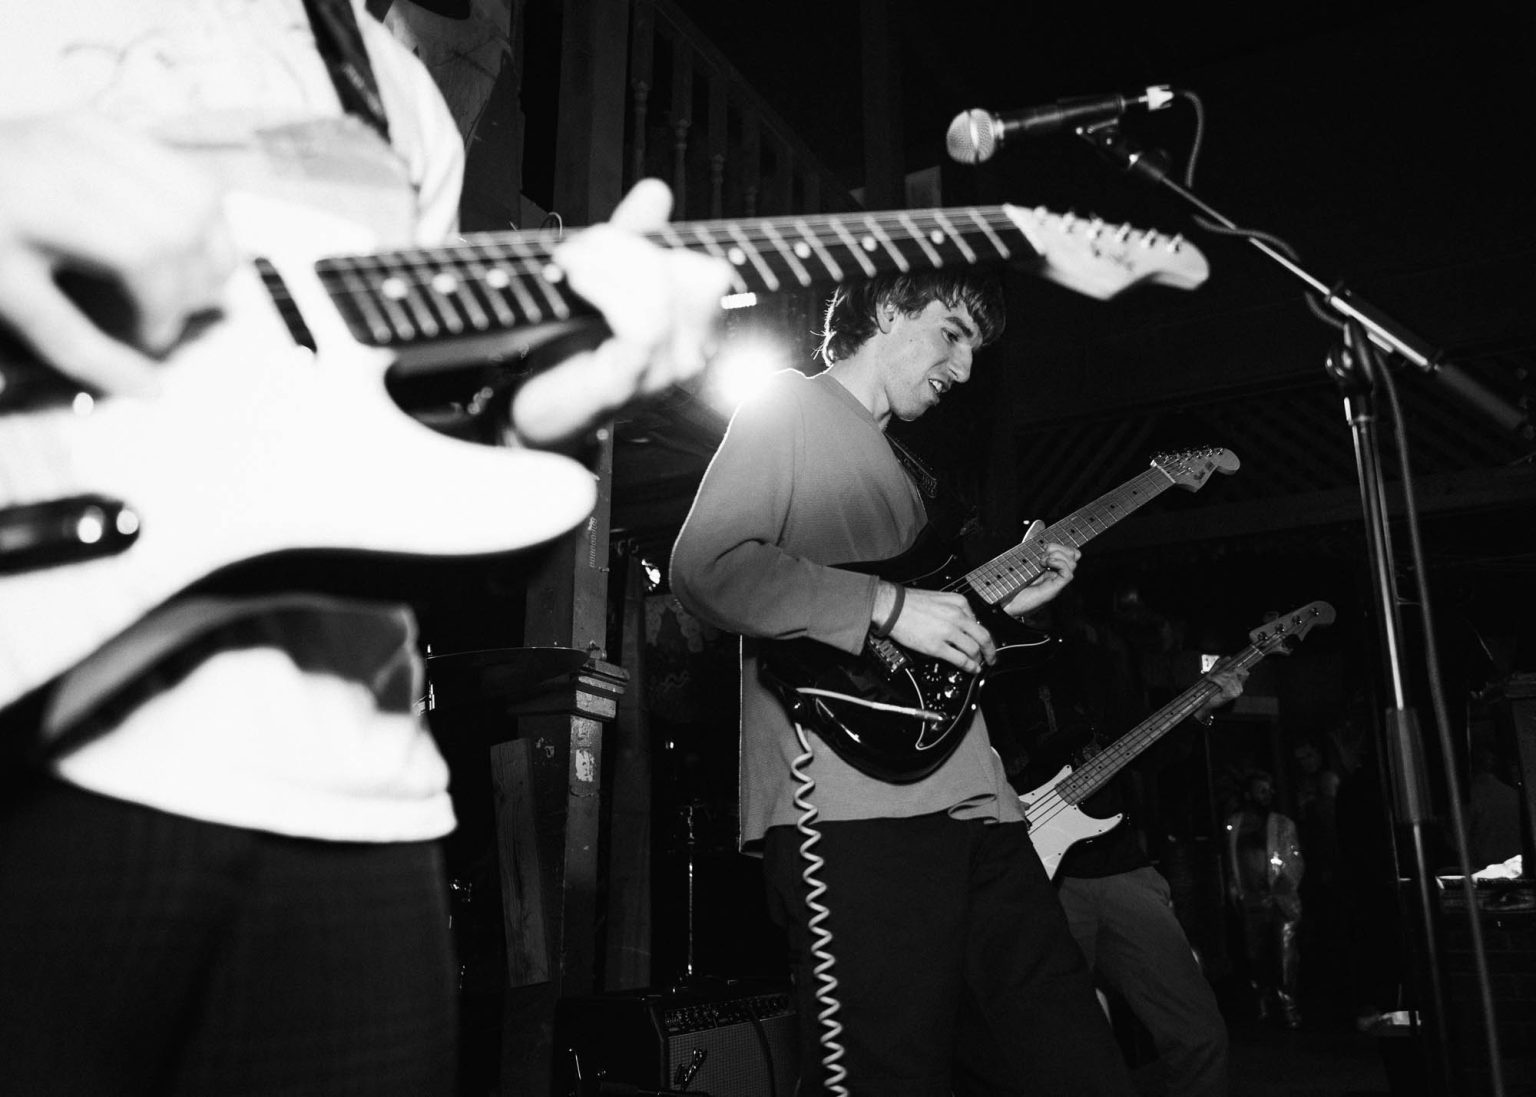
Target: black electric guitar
[[1056, 822], [276, 431], [897, 715]]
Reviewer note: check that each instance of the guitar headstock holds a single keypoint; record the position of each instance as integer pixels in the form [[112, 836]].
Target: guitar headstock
[[1101, 259], [1191, 468], [1272, 636]]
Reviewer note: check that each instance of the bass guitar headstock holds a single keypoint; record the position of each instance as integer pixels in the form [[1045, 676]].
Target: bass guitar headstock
[[1272, 637]]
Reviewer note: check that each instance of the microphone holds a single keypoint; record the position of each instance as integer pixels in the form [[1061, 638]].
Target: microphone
[[976, 135]]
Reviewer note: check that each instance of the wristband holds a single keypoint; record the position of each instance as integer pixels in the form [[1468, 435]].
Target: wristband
[[883, 629]]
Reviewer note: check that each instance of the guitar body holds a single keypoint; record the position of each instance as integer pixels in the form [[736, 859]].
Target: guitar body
[[255, 446], [890, 713], [1056, 823], [1063, 825]]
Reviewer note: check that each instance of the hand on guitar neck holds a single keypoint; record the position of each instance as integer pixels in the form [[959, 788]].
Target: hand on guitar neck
[[142, 232], [660, 305], [943, 624], [239, 417]]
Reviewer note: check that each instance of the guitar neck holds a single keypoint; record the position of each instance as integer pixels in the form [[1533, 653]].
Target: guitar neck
[[498, 282], [1001, 578], [1095, 773]]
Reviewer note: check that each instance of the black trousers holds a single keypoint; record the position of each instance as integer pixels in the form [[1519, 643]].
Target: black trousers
[[955, 969], [145, 953]]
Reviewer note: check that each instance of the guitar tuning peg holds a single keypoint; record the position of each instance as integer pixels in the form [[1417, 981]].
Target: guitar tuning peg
[[1175, 242]]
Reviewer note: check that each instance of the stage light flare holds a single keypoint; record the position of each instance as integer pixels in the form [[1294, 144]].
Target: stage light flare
[[742, 366]]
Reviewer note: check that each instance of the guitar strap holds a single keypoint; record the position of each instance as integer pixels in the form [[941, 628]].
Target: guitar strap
[[340, 42], [948, 515]]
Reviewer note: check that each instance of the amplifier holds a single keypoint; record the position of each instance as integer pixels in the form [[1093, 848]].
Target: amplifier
[[726, 1038]]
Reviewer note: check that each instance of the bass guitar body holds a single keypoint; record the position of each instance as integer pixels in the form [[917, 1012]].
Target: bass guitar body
[[1057, 830]]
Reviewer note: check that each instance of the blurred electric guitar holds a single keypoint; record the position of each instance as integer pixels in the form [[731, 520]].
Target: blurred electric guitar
[[1057, 822], [276, 430]]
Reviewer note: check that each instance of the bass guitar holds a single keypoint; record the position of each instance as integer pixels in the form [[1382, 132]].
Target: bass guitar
[[1057, 822], [896, 714], [279, 426]]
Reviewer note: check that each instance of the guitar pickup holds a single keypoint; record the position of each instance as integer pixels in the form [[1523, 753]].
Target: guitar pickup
[[64, 531]]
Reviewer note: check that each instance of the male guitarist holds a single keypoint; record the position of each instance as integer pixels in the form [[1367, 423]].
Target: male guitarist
[[936, 960], [224, 876], [1118, 905]]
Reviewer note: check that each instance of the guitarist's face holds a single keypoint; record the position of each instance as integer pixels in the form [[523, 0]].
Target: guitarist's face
[[925, 355]]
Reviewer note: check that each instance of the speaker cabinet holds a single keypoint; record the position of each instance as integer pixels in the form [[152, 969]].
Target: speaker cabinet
[[731, 1038]]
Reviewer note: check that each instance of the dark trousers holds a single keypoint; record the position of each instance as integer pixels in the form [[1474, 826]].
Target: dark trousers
[[145, 953], [955, 970], [1134, 943]]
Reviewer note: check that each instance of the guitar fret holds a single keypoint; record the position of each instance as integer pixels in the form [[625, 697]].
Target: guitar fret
[[933, 257], [992, 237], [949, 230], [834, 268], [342, 282], [509, 279], [466, 295], [436, 291], [885, 241], [801, 274], [749, 251], [400, 282], [544, 278], [854, 248], [492, 297], [402, 325]]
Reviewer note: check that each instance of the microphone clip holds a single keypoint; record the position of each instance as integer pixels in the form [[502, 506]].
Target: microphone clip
[[1150, 165]]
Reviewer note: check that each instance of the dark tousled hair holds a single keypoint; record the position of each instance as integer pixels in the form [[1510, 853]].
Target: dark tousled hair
[[851, 316]]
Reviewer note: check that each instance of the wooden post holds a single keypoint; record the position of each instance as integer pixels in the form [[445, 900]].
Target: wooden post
[[555, 764], [589, 138]]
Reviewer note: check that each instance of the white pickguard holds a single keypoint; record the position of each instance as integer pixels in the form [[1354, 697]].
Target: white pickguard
[[254, 447], [1055, 825]]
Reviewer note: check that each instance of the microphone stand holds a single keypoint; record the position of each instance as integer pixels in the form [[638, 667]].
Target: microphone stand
[[1356, 371]]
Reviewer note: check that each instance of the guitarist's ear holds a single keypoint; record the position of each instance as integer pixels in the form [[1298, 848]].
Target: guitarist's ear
[[885, 315]]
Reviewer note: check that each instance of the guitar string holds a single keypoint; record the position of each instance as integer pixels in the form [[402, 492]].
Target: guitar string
[[1033, 552], [1088, 778], [529, 253]]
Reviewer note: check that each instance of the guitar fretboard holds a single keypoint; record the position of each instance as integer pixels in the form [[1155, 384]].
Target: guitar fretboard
[[1095, 773], [493, 283], [1004, 576]]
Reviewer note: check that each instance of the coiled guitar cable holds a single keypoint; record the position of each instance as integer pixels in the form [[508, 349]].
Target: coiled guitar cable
[[821, 936]]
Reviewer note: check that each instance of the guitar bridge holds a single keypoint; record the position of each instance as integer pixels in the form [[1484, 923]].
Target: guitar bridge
[[888, 654]]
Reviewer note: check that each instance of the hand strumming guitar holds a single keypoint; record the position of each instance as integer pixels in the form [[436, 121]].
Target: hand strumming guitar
[[941, 623], [82, 196]]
